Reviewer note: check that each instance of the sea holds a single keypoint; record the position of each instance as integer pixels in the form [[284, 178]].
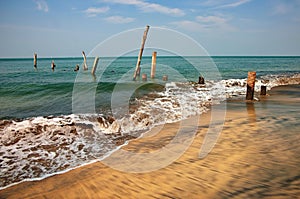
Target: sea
[[52, 121]]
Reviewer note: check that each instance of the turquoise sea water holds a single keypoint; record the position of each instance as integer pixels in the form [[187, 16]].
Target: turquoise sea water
[[28, 92]]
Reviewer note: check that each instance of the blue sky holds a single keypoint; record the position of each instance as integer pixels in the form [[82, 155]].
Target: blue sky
[[58, 28]]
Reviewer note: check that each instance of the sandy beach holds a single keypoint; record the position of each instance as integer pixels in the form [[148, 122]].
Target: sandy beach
[[256, 156]]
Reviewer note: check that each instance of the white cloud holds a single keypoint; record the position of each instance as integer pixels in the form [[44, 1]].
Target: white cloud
[[41, 5], [224, 3], [119, 19], [205, 23], [234, 4], [211, 2], [215, 22], [150, 7], [93, 11], [211, 19]]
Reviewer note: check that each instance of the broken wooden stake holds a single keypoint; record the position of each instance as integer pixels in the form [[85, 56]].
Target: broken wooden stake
[[85, 67], [76, 68], [35, 60], [165, 78], [138, 63], [201, 80], [95, 65], [153, 66], [52, 65], [250, 85], [263, 90], [144, 77]]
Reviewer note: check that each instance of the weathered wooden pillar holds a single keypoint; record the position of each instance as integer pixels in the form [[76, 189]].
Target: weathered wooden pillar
[[201, 80], [35, 60], [250, 85], [263, 90], [95, 65], [76, 68], [138, 63], [165, 78], [144, 77], [153, 66], [85, 67], [53, 65]]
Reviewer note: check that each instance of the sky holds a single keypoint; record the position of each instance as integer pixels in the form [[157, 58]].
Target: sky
[[63, 28]]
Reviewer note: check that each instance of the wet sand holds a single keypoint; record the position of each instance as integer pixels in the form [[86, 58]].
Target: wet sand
[[257, 155]]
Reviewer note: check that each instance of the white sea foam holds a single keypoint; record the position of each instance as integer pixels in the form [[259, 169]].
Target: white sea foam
[[42, 146]]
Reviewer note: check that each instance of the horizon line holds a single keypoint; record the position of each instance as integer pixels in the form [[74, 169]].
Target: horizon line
[[64, 57]]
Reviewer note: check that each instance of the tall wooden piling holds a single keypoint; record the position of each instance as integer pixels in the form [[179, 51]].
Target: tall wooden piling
[[95, 65], [138, 63], [35, 60], [263, 90], [153, 66], [85, 67], [250, 85]]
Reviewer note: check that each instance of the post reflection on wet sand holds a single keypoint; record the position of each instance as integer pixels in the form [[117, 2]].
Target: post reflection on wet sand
[[251, 113]]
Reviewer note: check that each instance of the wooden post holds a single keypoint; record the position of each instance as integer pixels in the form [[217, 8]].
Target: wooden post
[[165, 78], [153, 66], [263, 90], [53, 65], [144, 77], [76, 68], [35, 60], [85, 67], [201, 80], [95, 65], [138, 63], [250, 85]]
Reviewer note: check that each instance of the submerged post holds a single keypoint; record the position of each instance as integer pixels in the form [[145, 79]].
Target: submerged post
[[85, 67], [76, 68], [53, 65], [263, 90], [250, 85], [138, 63], [153, 66], [165, 78], [95, 65], [144, 77], [201, 80], [35, 60]]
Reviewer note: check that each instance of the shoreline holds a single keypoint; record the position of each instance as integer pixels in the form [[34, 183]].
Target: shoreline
[[183, 176]]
